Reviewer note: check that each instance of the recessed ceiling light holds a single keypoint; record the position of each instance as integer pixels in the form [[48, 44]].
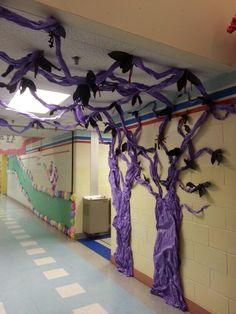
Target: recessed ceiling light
[[27, 103]]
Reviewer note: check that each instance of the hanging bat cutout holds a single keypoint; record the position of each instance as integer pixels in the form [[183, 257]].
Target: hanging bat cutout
[[201, 188], [26, 83], [117, 151], [82, 91], [9, 69], [124, 147], [135, 99], [43, 63], [187, 128], [146, 179], [37, 124], [217, 155], [190, 164], [164, 112], [52, 112], [174, 152], [110, 129], [124, 59], [160, 141], [91, 81], [187, 76]]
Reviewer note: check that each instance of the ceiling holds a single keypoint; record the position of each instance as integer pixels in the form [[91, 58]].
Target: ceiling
[[92, 49]]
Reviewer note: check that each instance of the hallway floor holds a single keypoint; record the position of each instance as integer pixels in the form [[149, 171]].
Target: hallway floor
[[41, 271]]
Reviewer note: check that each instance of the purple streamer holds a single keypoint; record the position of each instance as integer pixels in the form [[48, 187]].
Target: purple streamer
[[194, 212], [168, 210], [166, 251]]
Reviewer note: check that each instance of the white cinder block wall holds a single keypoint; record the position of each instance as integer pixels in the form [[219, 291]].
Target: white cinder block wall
[[208, 241]]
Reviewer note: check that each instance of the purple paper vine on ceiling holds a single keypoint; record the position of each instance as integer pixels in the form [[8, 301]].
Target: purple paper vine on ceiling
[[125, 146]]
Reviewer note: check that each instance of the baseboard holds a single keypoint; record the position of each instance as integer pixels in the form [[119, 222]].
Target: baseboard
[[13, 199], [193, 308], [80, 236]]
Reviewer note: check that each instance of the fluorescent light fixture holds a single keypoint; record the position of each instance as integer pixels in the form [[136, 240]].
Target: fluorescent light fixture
[[27, 103]]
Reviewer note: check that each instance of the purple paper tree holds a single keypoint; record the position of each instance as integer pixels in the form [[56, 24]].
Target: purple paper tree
[[125, 144]]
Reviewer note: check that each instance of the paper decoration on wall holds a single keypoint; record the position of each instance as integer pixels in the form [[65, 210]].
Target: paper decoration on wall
[[168, 210], [52, 174], [50, 191], [67, 230], [232, 27]]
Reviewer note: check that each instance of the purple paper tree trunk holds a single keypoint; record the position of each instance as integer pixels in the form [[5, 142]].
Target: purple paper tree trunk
[[166, 281], [122, 221], [168, 209]]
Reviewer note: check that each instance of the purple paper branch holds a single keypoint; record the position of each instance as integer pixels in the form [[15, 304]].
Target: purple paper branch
[[46, 25], [194, 212]]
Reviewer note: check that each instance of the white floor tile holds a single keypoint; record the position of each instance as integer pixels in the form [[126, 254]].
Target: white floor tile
[[35, 251], [23, 237], [2, 309], [55, 273], [13, 227], [90, 309], [44, 261], [18, 231], [28, 243], [12, 222], [70, 290]]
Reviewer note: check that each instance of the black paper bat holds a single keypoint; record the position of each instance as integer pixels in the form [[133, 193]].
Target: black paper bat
[[93, 123], [44, 64], [107, 129], [82, 92], [61, 30], [217, 155], [91, 80], [124, 147], [37, 124], [135, 98], [187, 76], [160, 140], [110, 129], [124, 59], [9, 69], [190, 164], [98, 117], [51, 39], [206, 100], [146, 179], [187, 128], [53, 111], [201, 188], [117, 151], [174, 152], [26, 83], [164, 112]]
